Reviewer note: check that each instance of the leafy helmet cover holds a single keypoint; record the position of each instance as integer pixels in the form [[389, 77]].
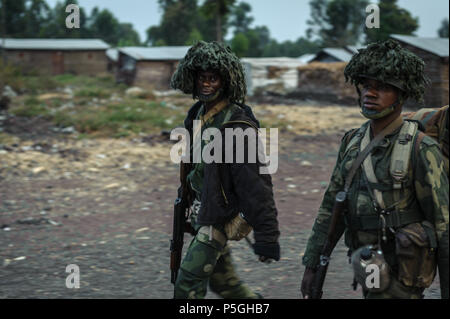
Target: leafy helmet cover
[[204, 56], [390, 63]]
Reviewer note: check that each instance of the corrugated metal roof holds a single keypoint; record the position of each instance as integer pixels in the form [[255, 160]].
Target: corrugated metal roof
[[55, 44], [306, 58], [353, 48], [113, 54], [156, 53], [437, 46], [276, 61], [338, 53]]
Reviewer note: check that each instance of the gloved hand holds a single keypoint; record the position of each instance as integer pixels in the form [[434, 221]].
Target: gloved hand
[[267, 252], [266, 260], [308, 278]]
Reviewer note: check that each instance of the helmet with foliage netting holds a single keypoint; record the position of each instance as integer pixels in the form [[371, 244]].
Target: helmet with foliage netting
[[204, 56], [390, 63]]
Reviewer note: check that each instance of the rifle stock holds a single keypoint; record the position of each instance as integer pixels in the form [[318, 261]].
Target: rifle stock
[[176, 244], [322, 268]]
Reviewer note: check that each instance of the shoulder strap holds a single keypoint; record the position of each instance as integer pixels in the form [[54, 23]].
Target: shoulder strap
[[401, 153], [363, 154]]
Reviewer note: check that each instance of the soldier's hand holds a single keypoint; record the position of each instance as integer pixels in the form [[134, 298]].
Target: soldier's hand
[[265, 259], [308, 278]]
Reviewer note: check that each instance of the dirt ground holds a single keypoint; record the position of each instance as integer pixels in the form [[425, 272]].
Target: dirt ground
[[106, 206]]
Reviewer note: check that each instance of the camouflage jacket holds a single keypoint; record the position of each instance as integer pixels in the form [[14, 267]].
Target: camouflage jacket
[[426, 194]]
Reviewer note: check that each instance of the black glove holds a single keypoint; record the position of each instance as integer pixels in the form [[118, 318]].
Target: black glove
[[267, 251]]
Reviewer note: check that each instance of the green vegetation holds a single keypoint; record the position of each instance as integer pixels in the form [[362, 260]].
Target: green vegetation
[[97, 106], [394, 20], [36, 19], [31, 108], [333, 23], [130, 117]]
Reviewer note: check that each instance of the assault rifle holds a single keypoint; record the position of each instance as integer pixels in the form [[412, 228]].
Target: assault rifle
[[321, 270], [180, 225], [176, 244]]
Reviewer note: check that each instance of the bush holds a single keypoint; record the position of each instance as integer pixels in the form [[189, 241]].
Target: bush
[[12, 76]]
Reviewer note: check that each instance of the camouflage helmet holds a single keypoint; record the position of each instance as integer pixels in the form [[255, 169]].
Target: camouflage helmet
[[390, 63], [204, 56]]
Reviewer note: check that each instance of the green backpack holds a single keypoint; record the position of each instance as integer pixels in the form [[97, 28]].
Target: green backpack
[[435, 124]]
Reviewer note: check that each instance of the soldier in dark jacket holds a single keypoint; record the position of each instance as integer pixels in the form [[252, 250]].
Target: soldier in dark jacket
[[227, 200]]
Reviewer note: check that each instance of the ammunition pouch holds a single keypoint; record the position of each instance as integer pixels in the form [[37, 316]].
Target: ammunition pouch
[[372, 273], [237, 228], [415, 246]]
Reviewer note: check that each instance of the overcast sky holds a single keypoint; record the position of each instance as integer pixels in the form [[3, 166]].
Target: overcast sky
[[286, 19]]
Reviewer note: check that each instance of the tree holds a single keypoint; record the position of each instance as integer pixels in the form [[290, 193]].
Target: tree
[[393, 20], [13, 24], [337, 22], [194, 36], [219, 9], [239, 18], [258, 38], [240, 45], [36, 18], [272, 49], [56, 26], [443, 30], [127, 36], [177, 22]]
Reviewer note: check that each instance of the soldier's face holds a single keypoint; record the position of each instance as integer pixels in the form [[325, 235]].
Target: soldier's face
[[208, 83], [377, 96]]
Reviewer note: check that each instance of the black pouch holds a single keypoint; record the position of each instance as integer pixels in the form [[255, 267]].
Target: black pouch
[[415, 246]]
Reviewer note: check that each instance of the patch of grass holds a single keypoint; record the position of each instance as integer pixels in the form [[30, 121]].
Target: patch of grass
[[119, 120], [105, 81], [93, 92], [32, 101], [31, 110], [36, 84]]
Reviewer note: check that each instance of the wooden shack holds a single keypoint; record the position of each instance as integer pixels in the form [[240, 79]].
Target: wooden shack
[[149, 66], [434, 51], [112, 56], [57, 56]]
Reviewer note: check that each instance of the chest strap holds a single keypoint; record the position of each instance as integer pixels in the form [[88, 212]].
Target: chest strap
[[394, 219]]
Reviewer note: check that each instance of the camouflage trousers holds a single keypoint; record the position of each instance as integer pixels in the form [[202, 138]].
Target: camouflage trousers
[[208, 260], [396, 290]]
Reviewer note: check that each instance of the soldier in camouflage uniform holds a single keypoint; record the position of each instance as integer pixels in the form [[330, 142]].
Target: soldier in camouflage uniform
[[413, 224], [221, 195]]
